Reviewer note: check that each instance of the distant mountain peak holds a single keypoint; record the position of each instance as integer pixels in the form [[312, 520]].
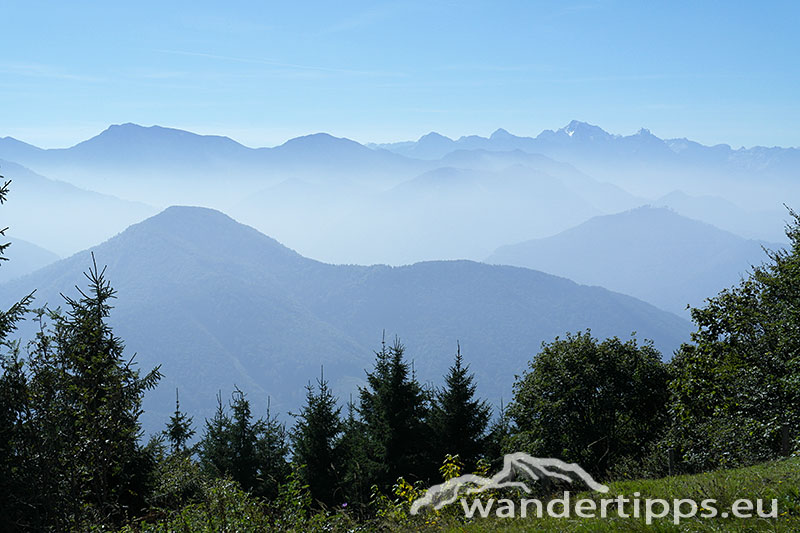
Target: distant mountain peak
[[583, 130], [134, 144], [181, 210], [188, 216], [16, 143], [500, 133], [321, 140], [433, 136], [129, 127], [207, 229]]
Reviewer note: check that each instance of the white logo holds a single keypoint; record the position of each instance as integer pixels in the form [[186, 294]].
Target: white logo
[[514, 464]]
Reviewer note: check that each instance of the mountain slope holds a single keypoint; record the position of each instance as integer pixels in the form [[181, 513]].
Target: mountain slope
[[765, 224], [459, 211], [218, 304], [650, 253], [24, 258], [59, 216]]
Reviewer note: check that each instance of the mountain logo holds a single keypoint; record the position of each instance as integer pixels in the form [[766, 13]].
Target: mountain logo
[[515, 466]]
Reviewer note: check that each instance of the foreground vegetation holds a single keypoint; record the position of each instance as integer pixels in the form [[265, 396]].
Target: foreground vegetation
[[224, 507]]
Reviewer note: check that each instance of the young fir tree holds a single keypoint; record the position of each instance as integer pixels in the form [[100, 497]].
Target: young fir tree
[[394, 409], [179, 430], [101, 394], [459, 420], [316, 443]]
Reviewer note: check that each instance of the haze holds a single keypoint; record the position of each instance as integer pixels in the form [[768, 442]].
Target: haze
[[456, 172]]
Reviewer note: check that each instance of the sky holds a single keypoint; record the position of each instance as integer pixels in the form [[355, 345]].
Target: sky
[[264, 72]]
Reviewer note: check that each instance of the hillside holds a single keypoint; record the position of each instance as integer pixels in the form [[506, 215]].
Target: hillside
[[217, 304], [463, 210], [650, 253], [776, 480], [24, 258], [61, 217]]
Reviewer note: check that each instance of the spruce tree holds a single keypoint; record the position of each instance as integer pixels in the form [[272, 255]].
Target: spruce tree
[[316, 443], [459, 420], [214, 447], [394, 408], [16, 440], [101, 394], [179, 429], [272, 447], [22, 506], [75, 434]]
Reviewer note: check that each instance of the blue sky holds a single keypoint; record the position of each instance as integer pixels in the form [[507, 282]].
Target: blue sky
[[263, 72]]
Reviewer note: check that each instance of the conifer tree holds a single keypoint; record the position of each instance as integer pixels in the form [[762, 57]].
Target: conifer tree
[[459, 420], [213, 446], [15, 437], [101, 393], [252, 452], [394, 409], [356, 481], [272, 447], [76, 451], [316, 443], [179, 429]]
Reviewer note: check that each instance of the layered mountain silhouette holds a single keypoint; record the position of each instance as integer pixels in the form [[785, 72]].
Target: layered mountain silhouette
[[461, 210], [24, 258], [437, 198], [451, 213], [583, 141], [219, 304], [642, 163], [61, 217], [752, 224], [651, 253], [156, 164]]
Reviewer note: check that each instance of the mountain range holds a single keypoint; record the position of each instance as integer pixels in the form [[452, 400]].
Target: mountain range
[[218, 304], [437, 198], [156, 165], [585, 141], [651, 253]]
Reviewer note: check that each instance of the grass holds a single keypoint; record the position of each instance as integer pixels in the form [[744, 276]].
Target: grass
[[779, 480], [225, 507]]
